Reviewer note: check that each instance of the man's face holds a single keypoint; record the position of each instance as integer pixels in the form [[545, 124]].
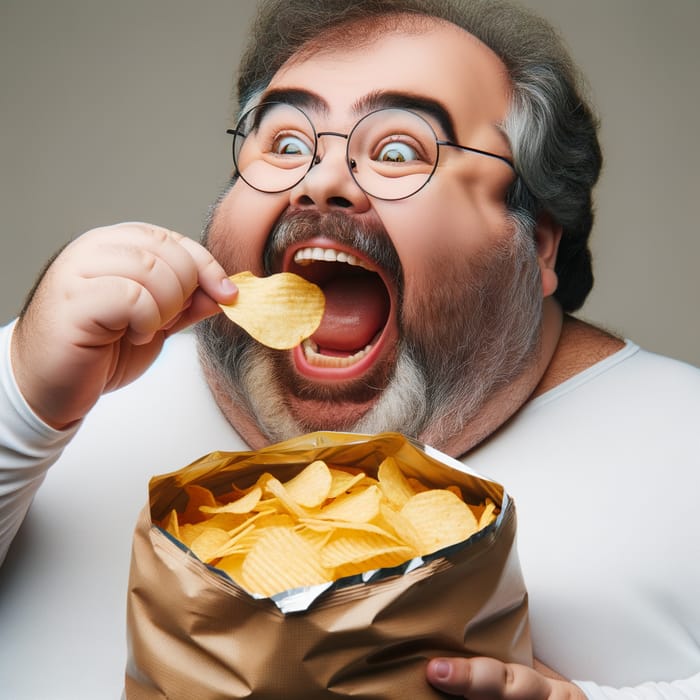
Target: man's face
[[432, 301]]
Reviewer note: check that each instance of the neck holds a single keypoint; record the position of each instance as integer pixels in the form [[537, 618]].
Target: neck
[[579, 346]]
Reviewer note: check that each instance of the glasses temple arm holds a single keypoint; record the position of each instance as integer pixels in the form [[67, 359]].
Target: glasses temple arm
[[507, 161]]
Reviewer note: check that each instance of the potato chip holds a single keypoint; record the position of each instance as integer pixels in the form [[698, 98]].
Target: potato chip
[[245, 504], [311, 486], [277, 489], [440, 519], [232, 564], [280, 560], [278, 311], [400, 526], [355, 507], [393, 483], [340, 525], [208, 543], [343, 481], [488, 515], [383, 560], [190, 531], [171, 524], [198, 496], [359, 548], [226, 521]]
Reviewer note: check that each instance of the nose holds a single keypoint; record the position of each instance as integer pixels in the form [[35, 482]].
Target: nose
[[329, 184]]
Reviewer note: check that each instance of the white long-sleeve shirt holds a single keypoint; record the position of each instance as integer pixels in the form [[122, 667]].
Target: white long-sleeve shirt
[[604, 470]]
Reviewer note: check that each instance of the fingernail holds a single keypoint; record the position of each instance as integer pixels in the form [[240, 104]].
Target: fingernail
[[228, 287], [442, 670]]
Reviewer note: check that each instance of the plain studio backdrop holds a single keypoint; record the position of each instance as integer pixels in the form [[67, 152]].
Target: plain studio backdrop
[[117, 111]]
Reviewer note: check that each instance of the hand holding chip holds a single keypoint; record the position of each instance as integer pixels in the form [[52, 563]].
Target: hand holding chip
[[104, 308]]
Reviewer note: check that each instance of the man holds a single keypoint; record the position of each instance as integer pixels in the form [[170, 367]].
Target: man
[[444, 205]]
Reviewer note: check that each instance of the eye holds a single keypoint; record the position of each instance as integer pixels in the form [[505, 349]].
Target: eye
[[291, 146], [396, 152]]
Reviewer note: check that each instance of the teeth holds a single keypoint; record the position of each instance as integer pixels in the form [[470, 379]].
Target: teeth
[[313, 357], [304, 256]]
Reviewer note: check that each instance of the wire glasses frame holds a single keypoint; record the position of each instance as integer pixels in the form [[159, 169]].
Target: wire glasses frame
[[391, 153]]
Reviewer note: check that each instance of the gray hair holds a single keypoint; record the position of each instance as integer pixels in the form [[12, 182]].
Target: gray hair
[[551, 128]]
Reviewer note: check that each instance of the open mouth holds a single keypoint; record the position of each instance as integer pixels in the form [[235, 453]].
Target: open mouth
[[358, 320]]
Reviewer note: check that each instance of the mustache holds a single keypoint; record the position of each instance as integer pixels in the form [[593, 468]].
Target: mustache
[[369, 238]]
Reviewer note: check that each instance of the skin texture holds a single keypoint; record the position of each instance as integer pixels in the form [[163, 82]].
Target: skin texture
[[111, 298]]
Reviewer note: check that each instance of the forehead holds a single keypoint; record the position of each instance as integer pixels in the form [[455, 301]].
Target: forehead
[[441, 62]]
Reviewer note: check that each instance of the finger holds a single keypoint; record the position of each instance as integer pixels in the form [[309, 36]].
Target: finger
[[134, 312], [487, 679], [200, 307], [212, 278]]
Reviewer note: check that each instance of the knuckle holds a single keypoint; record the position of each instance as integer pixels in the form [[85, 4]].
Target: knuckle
[[160, 235], [149, 261]]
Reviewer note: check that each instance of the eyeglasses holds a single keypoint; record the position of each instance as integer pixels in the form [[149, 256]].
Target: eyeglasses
[[391, 153]]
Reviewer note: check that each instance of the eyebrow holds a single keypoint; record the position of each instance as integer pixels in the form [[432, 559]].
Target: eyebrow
[[297, 98], [307, 99], [414, 102]]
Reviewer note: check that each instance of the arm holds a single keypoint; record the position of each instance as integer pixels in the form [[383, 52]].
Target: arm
[[95, 322], [489, 679], [28, 447]]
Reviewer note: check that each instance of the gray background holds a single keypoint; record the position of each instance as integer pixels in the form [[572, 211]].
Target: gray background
[[115, 111]]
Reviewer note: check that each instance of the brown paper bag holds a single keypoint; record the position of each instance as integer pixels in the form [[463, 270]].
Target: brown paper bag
[[193, 634]]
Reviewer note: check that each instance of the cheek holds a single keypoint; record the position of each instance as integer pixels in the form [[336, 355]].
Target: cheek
[[240, 226], [443, 231]]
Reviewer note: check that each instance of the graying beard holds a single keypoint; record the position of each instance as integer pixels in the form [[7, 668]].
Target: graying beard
[[427, 407]]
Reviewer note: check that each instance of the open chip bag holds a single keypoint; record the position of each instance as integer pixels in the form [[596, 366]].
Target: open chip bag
[[330, 565]]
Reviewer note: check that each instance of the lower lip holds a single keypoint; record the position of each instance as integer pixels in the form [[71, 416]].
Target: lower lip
[[341, 374]]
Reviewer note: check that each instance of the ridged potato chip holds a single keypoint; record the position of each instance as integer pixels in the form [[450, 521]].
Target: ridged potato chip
[[262, 570], [311, 486], [356, 548], [279, 311], [440, 518], [393, 483]]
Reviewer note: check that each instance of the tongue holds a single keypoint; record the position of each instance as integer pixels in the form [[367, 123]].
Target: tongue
[[356, 310]]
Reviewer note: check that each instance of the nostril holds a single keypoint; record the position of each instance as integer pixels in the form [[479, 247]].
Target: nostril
[[340, 202]]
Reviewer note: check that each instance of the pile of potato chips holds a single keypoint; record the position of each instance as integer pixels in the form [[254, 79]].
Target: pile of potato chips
[[322, 525]]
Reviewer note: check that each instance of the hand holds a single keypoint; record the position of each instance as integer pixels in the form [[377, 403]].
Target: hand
[[99, 316], [489, 679]]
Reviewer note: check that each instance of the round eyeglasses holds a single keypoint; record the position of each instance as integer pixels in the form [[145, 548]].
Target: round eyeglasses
[[391, 153]]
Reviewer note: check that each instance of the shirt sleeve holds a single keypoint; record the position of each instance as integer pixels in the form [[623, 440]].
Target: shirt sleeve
[[28, 447], [688, 689]]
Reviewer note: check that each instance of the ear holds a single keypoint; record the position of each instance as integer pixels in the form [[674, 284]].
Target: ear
[[547, 237]]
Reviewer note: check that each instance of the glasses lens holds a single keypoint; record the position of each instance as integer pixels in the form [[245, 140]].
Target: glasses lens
[[274, 146], [393, 153]]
